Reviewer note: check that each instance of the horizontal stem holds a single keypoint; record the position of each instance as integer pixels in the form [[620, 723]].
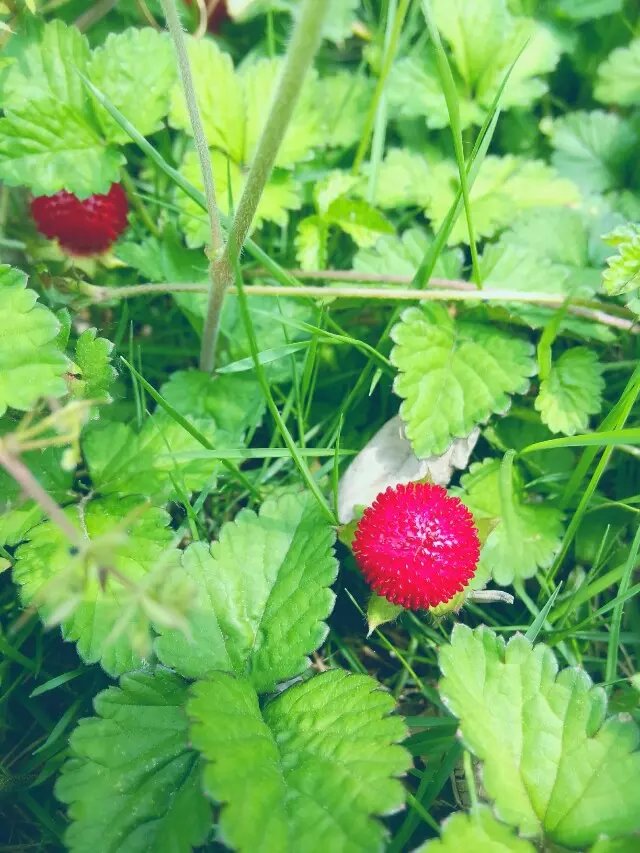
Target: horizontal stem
[[443, 291]]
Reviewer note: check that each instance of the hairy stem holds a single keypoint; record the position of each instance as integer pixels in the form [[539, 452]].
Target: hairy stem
[[302, 49], [216, 283]]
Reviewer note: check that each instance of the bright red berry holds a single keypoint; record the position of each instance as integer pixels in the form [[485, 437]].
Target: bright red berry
[[82, 226], [416, 545]]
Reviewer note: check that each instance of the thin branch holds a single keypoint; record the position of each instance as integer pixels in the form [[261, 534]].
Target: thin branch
[[300, 54], [444, 290]]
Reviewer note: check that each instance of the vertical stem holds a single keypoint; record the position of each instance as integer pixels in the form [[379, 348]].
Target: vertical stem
[[216, 283], [302, 49]]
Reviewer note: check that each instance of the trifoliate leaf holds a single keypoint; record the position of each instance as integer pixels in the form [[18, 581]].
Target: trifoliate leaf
[[281, 195], [46, 70], [453, 375], [311, 242], [18, 515], [99, 591], [324, 751], [623, 269], [262, 595], [619, 76], [402, 180], [359, 219], [48, 146], [476, 830], [31, 365], [571, 392], [553, 762], [133, 782], [504, 187], [592, 149], [403, 255], [118, 66], [93, 358], [123, 461], [526, 536], [234, 403]]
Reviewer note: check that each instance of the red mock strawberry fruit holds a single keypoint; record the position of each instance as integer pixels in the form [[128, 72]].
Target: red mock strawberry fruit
[[417, 546], [82, 226]]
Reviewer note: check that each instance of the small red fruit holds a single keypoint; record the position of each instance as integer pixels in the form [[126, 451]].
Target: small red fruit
[[416, 545], [82, 226]]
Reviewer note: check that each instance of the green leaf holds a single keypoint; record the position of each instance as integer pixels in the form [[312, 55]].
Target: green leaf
[[623, 269], [553, 762], [592, 149], [93, 357], [123, 461], [118, 66], [234, 403], [342, 100], [504, 187], [359, 219], [403, 255], [31, 365], [133, 782], [479, 831], [402, 180], [619, 76], [281, 195], [324, 752], [453, 375], [571, 392], [587, 10], [526, 536], [48, 146], [262, 595], [18, 515], [311, 243], [122, 535], [45, 70]]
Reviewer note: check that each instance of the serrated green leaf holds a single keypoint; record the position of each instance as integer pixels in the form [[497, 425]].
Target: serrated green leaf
[[479, 831], [526, 536], [592, 149], [311, 243], [359, 219], [403, 255], [453, 375], [324, 751], [46, 70], [571, 392], [123, 461], [93, 357], [118, 66], [234, 403], [402, 180], [126, 536], [31, 365], [619, 76], [48, 146], [504, 187], [133, 782], [281, 195], [553, 762], [262, 595], [342, 100], [17, 514], [623, 269]]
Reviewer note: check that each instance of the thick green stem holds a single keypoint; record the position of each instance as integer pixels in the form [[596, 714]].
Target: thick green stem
[[302, 49]]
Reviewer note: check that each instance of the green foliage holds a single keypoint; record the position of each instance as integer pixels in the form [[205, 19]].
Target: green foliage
[[478, 830], [132, 781], [571, 392], [312, 747], [31, 365], [619, 76], [524, 536], [262, 595], [93, 358], [93, 589], [553, 762], [453, 375], [623, 269], [504, 186]]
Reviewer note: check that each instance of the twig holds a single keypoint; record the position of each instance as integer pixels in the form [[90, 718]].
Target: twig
[[443, 291], [302, 49], [216, 284]]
